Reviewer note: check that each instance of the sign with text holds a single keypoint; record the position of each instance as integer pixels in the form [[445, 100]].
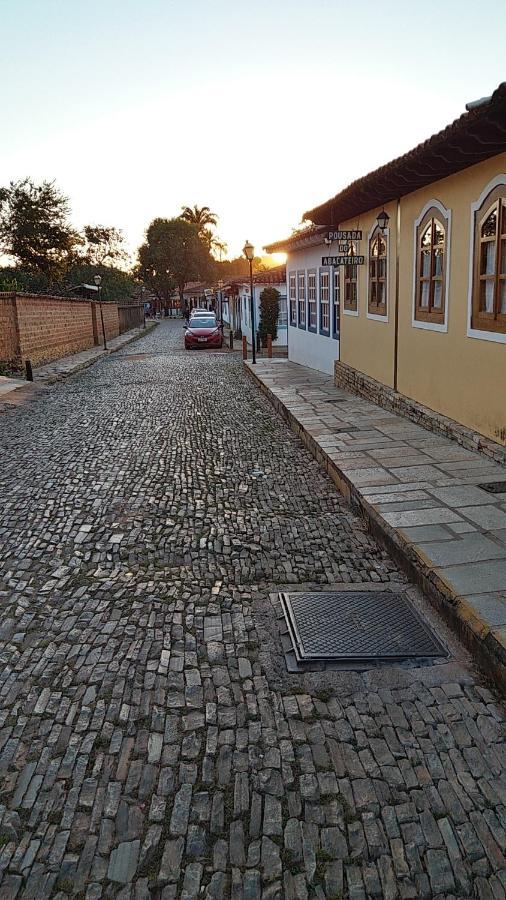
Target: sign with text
[[345, 235], [343, 260]]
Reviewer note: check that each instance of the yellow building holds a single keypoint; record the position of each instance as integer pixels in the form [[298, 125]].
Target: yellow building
[[423, 316]]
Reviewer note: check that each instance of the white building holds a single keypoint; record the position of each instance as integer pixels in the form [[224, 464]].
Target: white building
[[313, 300], [271, 278]]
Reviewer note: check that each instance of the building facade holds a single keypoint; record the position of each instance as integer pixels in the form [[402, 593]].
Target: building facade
[[423, 312], [198, 295], [313, 300], [275, 278]]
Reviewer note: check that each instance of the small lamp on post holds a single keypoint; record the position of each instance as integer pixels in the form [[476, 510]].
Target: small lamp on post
[[143, 308], [249, 252], [98, 281], [383, 220]]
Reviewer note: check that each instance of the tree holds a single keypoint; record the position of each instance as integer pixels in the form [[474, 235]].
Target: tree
[[116, 284], [212, 242], [34, 228], [102, 245], [199, 216], [202, 217], [269, 314], [13, 278], [173, 254], [218, 246], [152, 271]]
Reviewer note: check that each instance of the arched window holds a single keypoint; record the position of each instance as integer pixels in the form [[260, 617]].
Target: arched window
[[377, 273], [351, 283], [431, 268], [489, 282]]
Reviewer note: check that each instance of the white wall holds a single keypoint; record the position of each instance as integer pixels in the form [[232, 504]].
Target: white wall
[[281, 339], [312, 349]]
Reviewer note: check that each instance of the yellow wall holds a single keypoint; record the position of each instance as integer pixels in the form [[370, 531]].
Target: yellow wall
[[460, 376], [366, 344]]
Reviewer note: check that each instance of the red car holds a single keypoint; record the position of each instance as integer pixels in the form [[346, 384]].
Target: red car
[[203, 331]]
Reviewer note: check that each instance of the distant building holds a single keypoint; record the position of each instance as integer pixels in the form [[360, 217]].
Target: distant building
[[198, 294], [239, 307], [313, 300]]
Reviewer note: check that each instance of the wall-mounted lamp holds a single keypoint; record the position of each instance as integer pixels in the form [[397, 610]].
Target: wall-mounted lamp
[[383, 220]]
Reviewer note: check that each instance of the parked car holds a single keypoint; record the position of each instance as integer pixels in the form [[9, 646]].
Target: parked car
[[200, 312], [203, 332]]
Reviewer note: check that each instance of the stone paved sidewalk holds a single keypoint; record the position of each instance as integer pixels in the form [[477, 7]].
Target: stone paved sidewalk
[[152, 744], [10, 384], [421, 489]]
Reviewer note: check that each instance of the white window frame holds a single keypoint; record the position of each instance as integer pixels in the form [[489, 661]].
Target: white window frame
[[293, 275], [312, 273], [302, 273], [375, 316], [350, 312], [495, 336], [325, 270], [447, 216], [336, 274]]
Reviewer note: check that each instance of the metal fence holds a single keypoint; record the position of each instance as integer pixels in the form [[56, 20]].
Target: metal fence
[[131, 316]]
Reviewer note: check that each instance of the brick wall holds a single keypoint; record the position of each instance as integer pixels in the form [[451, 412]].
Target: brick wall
[[52, 327], [42, 328], [111, 320], [8, 331]]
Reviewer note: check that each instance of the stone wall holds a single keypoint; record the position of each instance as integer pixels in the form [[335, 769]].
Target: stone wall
[[365, 386], [41, 327]]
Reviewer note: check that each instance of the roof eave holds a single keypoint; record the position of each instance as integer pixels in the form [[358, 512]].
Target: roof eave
[[477, 135]]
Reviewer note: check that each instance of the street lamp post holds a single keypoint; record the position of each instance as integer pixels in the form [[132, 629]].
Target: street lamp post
[[249, 252], [143, 309], [98, 281], [220, 289]]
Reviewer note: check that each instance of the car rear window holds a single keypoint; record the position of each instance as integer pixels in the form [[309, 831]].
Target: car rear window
[[203, 322]]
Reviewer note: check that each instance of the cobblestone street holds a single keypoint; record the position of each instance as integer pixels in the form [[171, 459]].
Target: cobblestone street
[[152, 743]]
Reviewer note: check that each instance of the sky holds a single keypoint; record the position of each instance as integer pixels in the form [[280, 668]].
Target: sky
[[259, 110]]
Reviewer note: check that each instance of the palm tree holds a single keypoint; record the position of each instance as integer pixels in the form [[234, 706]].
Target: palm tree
[[199, 216], [219, 247]]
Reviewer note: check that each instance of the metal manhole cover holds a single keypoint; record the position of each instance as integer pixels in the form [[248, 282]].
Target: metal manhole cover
[[357, 625], [494, 487]]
